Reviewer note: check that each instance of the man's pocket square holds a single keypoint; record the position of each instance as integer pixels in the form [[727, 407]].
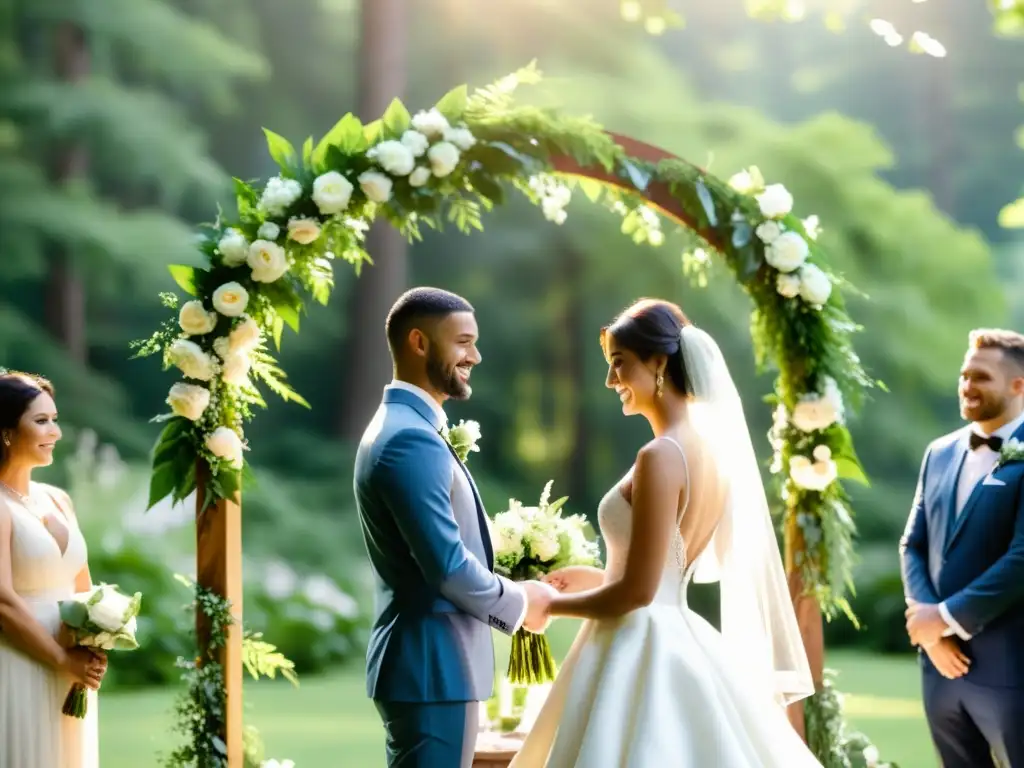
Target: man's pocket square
[[989, 480]]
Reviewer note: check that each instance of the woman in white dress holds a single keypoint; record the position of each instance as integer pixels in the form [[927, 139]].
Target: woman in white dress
[[648, 683], [42, 561]]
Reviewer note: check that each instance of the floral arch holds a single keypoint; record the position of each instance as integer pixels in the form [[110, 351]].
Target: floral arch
[[449, 164]]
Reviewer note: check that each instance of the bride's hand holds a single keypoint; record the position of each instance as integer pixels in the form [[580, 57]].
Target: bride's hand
[[575, 578], [84, 668]]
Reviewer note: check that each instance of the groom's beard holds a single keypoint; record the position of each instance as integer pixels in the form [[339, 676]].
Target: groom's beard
[[990, 408], [445, 379]]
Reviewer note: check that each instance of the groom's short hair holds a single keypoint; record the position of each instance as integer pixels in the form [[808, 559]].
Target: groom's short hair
[[416, 305], [1010, 343]]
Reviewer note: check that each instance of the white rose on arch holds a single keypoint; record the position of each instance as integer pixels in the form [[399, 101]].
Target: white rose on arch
[[268, 231], [462, 138], [303, 231], [190, 359], [430, 123], [419, 177], [376, 186], [233, 248], [814, 475], [195, 320], [769, 231], [332, 193], [443, 157], [775, 202], [267, 260], [817, 411], [394, 157], [788, 285], [278, 195], [236, 369], [415, 142], [815, 285], [230, 299], [188, 400], [224, 443], [788, 252], [244, 336], [747, 181]]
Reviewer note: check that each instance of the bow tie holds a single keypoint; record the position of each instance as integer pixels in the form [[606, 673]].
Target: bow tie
[[993, 442]]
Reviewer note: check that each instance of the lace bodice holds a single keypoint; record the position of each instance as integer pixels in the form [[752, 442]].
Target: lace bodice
[[615, 518], [40, 571]]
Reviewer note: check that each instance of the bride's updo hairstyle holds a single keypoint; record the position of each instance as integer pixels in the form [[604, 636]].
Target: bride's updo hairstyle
[[651, 327], [17, 391]]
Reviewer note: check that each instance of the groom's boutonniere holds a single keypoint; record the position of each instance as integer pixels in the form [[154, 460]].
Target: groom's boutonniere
[[1012, 450], [462, 438]]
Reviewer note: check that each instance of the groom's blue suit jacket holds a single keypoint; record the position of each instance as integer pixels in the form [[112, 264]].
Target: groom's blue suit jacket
[[974, 561], [426, 534]]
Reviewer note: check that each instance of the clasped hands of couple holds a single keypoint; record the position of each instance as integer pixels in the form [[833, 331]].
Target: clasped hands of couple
[[927, 628], [85, 666], [540, 594]]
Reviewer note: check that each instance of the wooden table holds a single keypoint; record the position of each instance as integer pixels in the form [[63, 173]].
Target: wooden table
[[495, 750]]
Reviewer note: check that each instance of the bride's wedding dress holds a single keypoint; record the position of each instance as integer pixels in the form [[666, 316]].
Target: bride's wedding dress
[[658, 687], [33, 731]]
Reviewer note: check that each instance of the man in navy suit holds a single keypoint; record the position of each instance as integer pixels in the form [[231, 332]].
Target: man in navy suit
[[430, 659], [962, 558]]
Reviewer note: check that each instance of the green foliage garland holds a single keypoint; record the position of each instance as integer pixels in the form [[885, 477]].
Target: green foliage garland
[[449, 165]]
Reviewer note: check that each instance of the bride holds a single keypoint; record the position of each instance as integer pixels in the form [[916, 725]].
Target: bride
[[648, 682]]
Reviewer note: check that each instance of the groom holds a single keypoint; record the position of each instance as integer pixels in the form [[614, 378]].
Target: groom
[[962, 560], [430, 659]]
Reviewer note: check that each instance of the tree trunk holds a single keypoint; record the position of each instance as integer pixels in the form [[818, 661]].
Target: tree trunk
[[65, 291], [577, 335], [382, 77]]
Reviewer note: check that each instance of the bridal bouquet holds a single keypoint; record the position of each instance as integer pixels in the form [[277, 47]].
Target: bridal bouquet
[[528, 543], [103, 618]]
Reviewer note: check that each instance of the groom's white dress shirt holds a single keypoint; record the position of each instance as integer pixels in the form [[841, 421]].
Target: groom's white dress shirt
[[977, 464], [423, 395]]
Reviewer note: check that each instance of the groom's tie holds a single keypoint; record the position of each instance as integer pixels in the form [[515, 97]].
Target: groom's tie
[[993, 442]]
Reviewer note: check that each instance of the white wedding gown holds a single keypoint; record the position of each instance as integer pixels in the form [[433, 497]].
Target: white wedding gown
[[33, 731], [656, 688]]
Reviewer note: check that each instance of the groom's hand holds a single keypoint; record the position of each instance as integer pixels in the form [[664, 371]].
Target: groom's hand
[[538, 605], [925, 624], [948, 658]]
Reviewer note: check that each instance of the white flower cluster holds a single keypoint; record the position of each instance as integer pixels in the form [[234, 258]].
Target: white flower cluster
[[817, 474], [553, 194], [817, 411], [103, 618], [230, 361], [432, 148], [785, 249], [541, 535]]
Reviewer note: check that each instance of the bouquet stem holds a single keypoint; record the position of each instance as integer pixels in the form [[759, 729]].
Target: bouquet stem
[[75, 704], [531, 662]]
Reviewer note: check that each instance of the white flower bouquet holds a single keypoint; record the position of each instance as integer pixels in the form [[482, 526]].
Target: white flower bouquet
[[528, 543], [103, 618]]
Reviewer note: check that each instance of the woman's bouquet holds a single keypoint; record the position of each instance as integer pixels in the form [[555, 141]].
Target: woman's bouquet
[[528, 543], [103, 618]]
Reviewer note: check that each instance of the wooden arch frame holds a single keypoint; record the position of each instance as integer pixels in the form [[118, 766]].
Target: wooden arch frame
[[218, 528]]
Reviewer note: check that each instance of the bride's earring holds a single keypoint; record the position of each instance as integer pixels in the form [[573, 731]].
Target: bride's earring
[[659, 384], [7, 441]]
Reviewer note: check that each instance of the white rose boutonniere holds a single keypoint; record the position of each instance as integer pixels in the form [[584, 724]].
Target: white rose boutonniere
[[463, 438], [1012, 450]]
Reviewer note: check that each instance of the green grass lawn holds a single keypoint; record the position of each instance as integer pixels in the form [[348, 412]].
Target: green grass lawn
[[328, 721]]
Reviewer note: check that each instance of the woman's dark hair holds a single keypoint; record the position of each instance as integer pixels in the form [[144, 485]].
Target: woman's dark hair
[[650, 327], [17, 391]]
